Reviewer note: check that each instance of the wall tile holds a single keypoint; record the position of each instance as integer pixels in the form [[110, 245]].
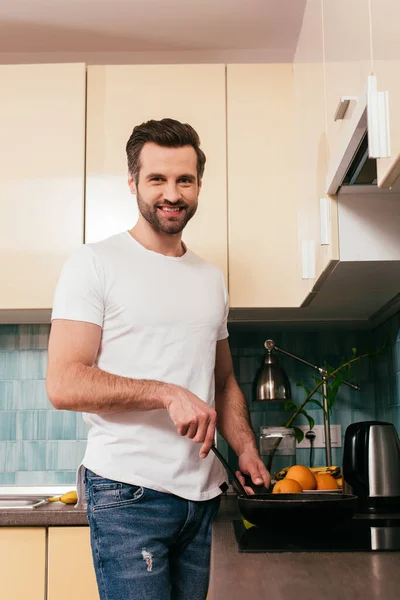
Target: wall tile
[[8, 395], [236, 366], [247, 390], [270, 419], [31, 424], [45, 477], [31, 456], [9, 365], [32, 364], [31, 395], [387, 387], [344, 418], [361, 415], [32, 478], [8, 457], [63, 477], [61, 425], [8, 425], [33, 337], [303, 457], [248, 367], [7, 478], [8, 337], [64, 455]]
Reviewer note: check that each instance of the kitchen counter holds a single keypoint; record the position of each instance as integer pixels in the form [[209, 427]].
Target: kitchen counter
[[296, 576], [276, 576], [48, 515]]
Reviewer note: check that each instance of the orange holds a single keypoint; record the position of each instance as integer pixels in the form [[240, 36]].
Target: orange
[[303, 475], [287, 486], [326, 482]]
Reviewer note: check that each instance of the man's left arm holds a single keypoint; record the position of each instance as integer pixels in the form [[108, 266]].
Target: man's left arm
[[233, 421]]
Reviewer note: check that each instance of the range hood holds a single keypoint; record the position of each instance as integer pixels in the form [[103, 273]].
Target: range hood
[[362, 170], [365, 139]]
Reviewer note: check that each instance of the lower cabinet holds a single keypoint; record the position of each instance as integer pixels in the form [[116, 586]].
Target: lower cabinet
[[70, 568], [23, 563]]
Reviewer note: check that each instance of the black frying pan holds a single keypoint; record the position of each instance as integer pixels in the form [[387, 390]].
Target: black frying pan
[[304, 509]]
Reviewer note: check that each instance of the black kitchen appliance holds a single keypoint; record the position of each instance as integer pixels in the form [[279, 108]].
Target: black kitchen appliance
[[362, 533], [371, 466]]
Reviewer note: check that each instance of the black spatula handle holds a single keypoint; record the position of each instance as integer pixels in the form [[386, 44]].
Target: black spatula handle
[[230, 470]]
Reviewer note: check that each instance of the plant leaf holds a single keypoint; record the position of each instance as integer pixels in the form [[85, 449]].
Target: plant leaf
[[289, 405], [309, 418], [301, 384], [299, 433], [354, 351], [317, 402]]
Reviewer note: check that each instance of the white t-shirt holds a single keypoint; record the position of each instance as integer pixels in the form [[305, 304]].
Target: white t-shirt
[[161, 318]]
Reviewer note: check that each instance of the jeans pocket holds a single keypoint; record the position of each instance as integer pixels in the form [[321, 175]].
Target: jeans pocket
[[106, 493]]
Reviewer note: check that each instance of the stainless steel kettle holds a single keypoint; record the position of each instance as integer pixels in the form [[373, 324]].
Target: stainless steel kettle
[[371, 466]]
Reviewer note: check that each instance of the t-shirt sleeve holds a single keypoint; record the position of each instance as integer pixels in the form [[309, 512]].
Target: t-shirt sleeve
[[223, 331], [79, 292]]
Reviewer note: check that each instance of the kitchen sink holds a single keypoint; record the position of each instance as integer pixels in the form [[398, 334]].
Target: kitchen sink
[[18, 502]]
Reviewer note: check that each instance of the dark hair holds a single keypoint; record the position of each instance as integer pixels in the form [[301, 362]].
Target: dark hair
[[168, 133]]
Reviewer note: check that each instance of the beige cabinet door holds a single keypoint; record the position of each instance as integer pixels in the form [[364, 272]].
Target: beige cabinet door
[[310, 165], [22, 563], [386, 52], [347, 47], [347, 64], [120, 97], [70, 567], [42, 136], [264, 242]]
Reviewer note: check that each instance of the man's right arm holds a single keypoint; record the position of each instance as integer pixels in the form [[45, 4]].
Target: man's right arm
[[73, 383]]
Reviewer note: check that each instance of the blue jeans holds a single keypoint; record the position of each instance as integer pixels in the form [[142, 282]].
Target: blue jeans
[[147, 544]]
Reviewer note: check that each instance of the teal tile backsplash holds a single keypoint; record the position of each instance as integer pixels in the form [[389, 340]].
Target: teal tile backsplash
[[41, 445], [8, 425], [387, 373], [37, 443], [330, 345], [32, 424], [61, 425]]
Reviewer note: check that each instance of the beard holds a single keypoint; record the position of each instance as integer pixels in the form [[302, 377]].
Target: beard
[[161, 222]]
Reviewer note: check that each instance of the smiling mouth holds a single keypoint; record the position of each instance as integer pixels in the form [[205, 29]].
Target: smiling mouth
[[171, 210]]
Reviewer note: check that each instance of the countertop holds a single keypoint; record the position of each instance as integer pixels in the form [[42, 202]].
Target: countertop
[[280, 576], [48, 515], [296, 576]]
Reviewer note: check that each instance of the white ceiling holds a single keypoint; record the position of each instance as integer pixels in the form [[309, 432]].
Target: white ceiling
[[46, 26]]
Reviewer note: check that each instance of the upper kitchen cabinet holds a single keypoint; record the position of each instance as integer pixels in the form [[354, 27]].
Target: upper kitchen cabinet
[[42, 134], [385, 18], [120, 97], [310, 141], [347, 48], [264, 244]]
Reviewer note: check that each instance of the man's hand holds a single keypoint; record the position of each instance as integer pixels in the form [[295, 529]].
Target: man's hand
[[251, 464], [193, 417]]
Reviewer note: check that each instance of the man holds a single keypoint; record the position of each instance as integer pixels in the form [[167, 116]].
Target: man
[[139, 344]]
